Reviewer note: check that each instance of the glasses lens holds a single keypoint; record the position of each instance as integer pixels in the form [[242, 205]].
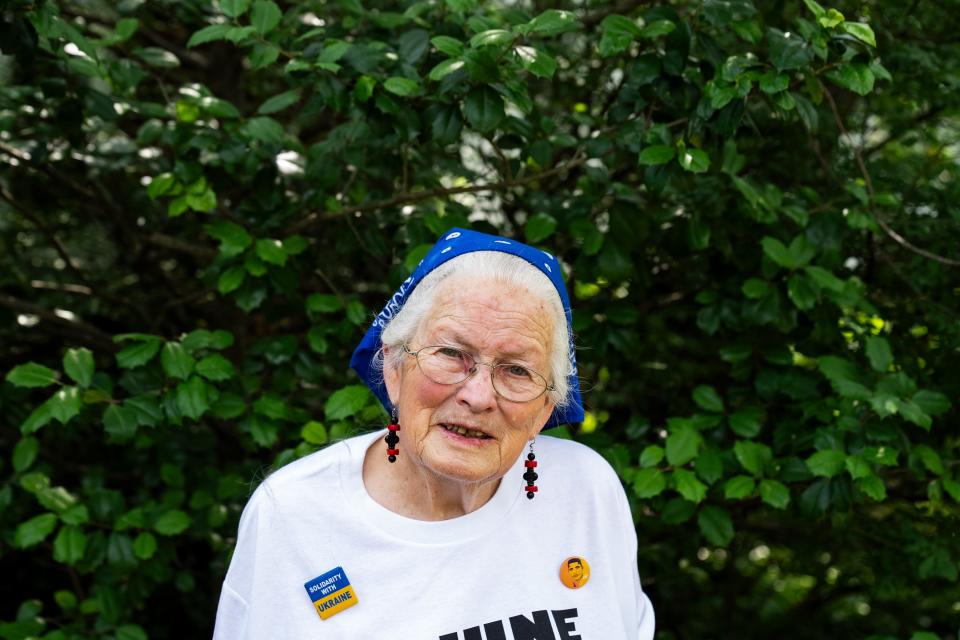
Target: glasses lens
[[444, 365], [518, 383]]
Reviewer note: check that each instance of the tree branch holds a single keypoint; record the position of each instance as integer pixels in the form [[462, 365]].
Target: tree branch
[[893, 235], [405, 198], [94, 336]]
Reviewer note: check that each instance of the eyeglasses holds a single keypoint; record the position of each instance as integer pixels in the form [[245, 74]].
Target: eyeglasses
[[449, 365]]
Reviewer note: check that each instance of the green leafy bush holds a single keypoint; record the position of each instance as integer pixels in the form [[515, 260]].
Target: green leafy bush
[[203, 203]]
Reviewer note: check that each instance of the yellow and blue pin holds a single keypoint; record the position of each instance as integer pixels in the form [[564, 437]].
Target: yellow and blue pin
[[331, 593]]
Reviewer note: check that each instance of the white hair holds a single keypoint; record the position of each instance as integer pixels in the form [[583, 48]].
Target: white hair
[[498, 267]]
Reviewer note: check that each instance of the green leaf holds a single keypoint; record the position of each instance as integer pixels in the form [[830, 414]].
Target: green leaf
[[536, 61], [144, 545], [539, 227], [551, 22], [78, 365], [25, 453], [215, 367], [617, 33], [145, 408], [773, 82], [131, 632], [139, 354], [65, 404], [929, 458], [658, 28], [854, 76], [346, 402], [37, 419], [752, 456], [484, 109], [176, 361], [160, 184], [233, 238], [657, 154], [688, 486], [34, 531], [32, 375], [952, 488], [324, 303], [694, 160], [878, 353], [827, 463], [491, 37], [231, 279], [817, 10], [401, 86], [651, 456], [824, 279], [314, 432], [364, 88], [271, 251], [263, 55], [831, 19], [746, 423], [683, 443], [931, 402], [857, 467], [120, 422], [788, 50], [265, 16], [191, 397], [171, 523], [445, 68], [234, 8], [279, 102], [648, 483], [715, 525], [265, 129], [739, 487], [802, 291], [707, 398], [69, 545], [860, 31], [450, 46], [774, 493], [873, 487], [208, 34]]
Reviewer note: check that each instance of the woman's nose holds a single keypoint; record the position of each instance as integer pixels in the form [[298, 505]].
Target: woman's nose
[[477, 391]]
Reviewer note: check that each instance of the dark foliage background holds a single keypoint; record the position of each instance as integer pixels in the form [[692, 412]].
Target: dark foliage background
[[203, 203]]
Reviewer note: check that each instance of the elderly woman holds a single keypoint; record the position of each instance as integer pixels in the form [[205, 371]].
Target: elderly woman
[[460, 522]]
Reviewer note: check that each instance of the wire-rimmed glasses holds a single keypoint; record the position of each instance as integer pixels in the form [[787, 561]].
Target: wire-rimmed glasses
[[444, 364]]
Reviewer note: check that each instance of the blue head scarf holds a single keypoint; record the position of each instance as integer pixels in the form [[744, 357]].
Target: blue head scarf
[[452, 244]]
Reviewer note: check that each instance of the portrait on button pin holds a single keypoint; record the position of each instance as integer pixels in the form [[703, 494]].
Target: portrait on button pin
[[574, 572]]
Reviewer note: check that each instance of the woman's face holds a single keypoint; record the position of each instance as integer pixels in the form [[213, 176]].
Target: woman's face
[[495, 323]]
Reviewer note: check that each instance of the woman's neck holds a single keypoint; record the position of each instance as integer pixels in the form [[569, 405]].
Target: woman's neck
[[411, 490]]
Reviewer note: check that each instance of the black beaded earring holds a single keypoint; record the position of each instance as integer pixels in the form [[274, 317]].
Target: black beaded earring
[[531, 476], [392, 438]]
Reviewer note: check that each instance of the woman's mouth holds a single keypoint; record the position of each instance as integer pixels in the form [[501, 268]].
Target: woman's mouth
[[463, 431]]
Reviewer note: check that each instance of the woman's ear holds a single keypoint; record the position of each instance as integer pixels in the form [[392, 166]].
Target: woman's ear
[[391, 376], [542, 416]]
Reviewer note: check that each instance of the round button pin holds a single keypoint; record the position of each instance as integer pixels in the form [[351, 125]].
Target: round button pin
[[574, 572]]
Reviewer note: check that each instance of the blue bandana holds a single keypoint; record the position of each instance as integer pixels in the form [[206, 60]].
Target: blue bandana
[[454, 243]]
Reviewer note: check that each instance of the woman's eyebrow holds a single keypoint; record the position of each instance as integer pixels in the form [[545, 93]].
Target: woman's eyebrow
[[457, 338]]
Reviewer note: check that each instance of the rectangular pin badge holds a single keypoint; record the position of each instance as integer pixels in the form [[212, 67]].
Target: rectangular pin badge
[[331, 593]]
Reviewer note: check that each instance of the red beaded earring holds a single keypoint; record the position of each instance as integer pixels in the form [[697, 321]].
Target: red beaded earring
[[392, 438], [531, 476]]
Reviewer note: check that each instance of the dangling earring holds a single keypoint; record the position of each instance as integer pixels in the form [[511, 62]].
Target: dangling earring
[[531, 476], [392, 438]]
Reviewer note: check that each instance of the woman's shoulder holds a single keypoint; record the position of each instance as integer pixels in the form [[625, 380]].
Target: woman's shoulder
[[319, 469], [574, 456]]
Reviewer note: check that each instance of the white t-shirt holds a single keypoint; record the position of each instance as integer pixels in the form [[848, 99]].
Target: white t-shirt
[[493, 574]]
